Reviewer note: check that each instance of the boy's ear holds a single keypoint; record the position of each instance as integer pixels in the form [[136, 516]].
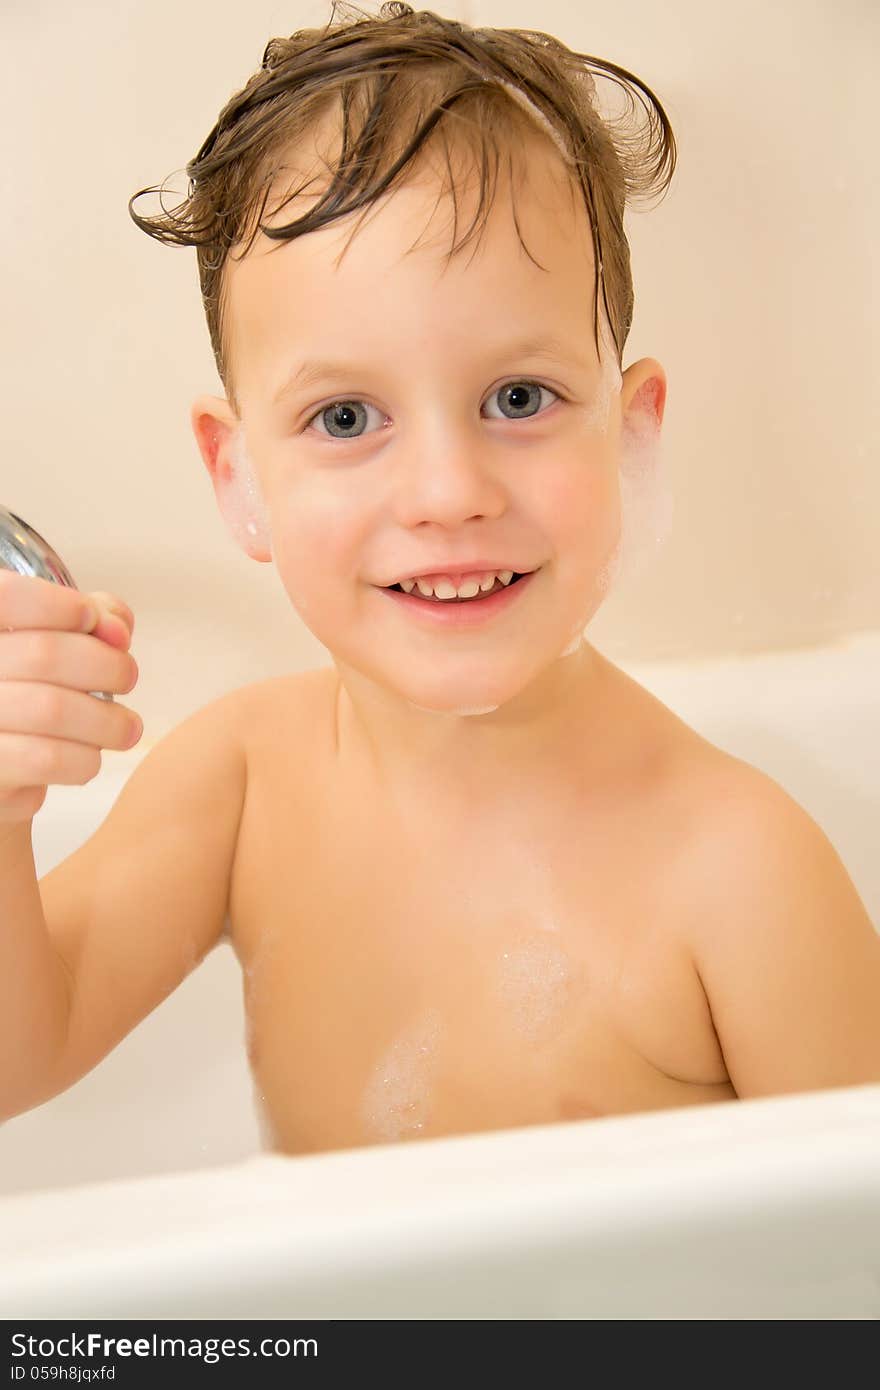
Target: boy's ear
[[643, 397], [220, 436], [215, 425]]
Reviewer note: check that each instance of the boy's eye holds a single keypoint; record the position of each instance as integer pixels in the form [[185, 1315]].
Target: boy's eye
[[341, 419]]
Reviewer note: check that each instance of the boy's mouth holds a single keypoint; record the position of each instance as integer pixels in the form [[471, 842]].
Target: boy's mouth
[[460, 614], [475, 598]]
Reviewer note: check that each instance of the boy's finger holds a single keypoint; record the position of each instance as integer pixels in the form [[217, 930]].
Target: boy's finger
[[30, 602], [106, 626], [114, 605]]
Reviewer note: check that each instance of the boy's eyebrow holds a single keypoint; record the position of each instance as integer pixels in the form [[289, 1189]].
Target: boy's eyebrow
[[311, 371]]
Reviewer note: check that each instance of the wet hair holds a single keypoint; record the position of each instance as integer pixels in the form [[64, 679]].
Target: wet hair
[[396, 76]]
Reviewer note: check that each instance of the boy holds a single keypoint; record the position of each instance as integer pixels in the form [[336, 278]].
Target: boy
[[476, 877]]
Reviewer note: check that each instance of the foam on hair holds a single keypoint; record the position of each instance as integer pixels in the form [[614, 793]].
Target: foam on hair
[[538, 118], [400, 77]]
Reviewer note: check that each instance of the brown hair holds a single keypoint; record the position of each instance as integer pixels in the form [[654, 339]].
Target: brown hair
[[390, 71]]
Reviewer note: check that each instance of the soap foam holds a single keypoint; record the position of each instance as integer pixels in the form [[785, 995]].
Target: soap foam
[[396, 1101], [463, 710], [250, 516], [646, 503], [537, 116], [534, 985]]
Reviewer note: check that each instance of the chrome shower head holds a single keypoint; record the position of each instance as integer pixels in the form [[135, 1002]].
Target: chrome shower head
[[24, 550]]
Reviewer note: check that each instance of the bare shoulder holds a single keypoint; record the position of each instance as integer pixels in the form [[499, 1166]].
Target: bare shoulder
[[782, 942], [719, 807], [747, 836], [275, 688], [279, 696], [745, 822], [289, 712]]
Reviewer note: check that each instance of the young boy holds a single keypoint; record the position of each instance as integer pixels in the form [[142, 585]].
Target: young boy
[[475, 876]]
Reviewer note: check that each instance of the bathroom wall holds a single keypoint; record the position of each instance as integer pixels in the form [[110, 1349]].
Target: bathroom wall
[[755, 281]]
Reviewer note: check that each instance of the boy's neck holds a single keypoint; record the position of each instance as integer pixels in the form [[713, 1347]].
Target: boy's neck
[[470, 761]]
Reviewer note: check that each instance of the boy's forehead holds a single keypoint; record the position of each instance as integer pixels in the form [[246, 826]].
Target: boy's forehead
[[530, 176], [392, 259]]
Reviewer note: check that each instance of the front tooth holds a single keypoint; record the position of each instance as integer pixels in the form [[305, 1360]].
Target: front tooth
[[444, 590]]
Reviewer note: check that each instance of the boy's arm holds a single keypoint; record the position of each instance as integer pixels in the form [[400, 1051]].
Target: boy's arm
[[787, 954], [33, 986], [135, 908]]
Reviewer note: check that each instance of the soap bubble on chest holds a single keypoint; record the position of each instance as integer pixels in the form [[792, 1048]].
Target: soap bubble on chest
[[396, 1101], [534, 983]]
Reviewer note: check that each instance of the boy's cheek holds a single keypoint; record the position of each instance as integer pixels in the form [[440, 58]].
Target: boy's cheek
[[312, 562], [580, 511]]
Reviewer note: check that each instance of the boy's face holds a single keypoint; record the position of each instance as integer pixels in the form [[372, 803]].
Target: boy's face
[[438, 461]]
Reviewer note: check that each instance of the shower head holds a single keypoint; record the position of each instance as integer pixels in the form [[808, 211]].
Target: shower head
[[24, 550]]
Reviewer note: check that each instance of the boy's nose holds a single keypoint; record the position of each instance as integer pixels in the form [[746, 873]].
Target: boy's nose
[[447, 484]]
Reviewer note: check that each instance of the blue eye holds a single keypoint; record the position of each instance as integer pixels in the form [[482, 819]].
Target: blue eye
[[523, 398], [518, 389]]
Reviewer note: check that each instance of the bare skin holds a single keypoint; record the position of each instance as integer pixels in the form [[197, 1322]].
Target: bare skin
[[565, 906], [413, 972], [476, 877], [436, 912]]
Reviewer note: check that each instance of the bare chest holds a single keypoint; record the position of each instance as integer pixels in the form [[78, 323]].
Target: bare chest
[[435, 979]]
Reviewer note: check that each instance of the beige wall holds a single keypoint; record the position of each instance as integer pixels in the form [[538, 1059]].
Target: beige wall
[[755, 287]]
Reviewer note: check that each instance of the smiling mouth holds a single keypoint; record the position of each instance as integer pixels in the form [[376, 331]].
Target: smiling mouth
[[487, 593]]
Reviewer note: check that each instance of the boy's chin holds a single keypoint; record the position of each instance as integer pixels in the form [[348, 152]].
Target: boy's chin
[[450, 694], [464, 697], [468, 696], [459, 685]]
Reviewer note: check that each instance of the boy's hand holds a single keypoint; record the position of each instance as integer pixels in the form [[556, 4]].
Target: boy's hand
[[56, 645]]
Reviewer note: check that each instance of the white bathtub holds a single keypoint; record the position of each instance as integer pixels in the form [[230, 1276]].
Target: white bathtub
[[142, 1191]]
